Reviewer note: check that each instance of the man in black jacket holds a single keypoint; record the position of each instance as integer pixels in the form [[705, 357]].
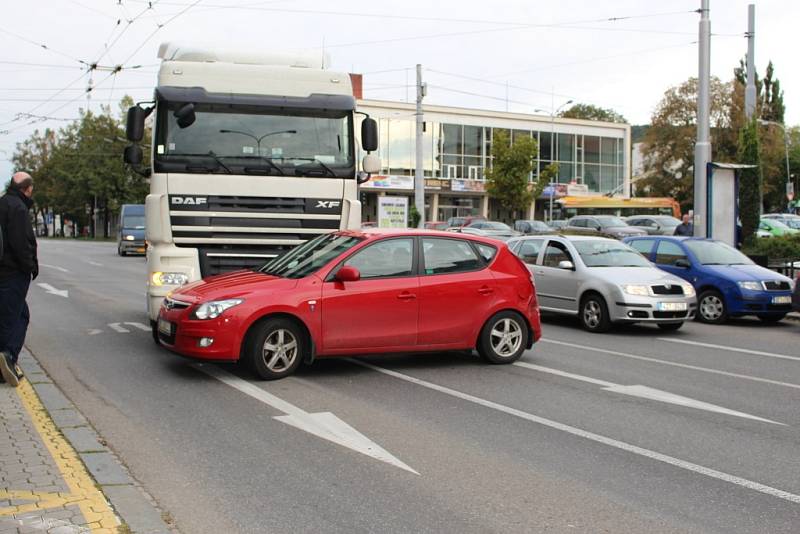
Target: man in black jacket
[[18, 266]]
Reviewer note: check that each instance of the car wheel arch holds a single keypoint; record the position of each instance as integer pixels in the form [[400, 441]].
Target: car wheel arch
[[256, 321], [500, 310]]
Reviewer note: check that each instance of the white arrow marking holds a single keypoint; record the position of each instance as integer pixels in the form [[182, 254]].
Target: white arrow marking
[[117, 328], [324, 425], [94, 332], [53, 291], [56, 267], [597, 438], [140, 326], [648, 393], [90, 262]]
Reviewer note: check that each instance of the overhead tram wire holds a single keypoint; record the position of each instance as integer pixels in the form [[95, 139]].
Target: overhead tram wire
[[52, 97], [130, 22], [43, 46], [160, 26]]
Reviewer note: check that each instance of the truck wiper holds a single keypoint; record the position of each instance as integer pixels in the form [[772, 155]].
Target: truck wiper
[[219, 161], [320, 163], [265, 160]]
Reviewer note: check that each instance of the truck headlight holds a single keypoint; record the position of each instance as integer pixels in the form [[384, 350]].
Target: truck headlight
[[688, 289], [632, 289], [750, 286], [168, 279], [213, 309], [129, 238]]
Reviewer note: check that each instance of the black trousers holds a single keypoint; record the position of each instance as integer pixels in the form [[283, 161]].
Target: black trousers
[[14, 315]]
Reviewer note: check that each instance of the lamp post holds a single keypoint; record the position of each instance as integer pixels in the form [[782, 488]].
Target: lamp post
[[553, 113], [785, 147], [259, 139]]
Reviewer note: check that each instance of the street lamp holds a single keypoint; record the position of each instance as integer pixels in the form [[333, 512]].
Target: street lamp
[[553, 147], [785, 148], [259, 139]]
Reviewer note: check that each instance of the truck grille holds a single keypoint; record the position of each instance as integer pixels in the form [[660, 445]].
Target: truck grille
[[237, 232]]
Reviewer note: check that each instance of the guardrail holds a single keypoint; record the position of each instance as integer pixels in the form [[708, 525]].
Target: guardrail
[[787, 266]]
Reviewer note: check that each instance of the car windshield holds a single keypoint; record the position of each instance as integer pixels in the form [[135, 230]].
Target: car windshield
[[716, 253], [774, 223], [609, 220], [133, 221], [311, 256], [609, 254]]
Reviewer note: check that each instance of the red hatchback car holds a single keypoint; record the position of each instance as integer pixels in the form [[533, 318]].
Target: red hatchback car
[[359, 292]]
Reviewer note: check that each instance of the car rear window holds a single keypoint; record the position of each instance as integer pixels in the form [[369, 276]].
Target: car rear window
[[449, 256]]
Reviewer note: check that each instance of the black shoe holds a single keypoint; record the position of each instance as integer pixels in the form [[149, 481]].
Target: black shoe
[[7, 369]]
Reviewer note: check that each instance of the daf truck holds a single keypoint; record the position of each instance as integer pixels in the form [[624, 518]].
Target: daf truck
[[252, 154]]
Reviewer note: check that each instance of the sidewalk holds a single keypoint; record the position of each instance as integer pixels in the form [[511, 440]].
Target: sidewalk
[[56, 476]]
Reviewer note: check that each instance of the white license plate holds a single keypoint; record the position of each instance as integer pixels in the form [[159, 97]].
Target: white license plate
[[783, 299], [671, 306], [165, 327]]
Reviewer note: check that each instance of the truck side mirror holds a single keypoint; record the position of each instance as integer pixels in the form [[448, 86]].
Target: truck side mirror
[[185, 115], [134, 129], [369, 135], [133, 154], [371, 164]]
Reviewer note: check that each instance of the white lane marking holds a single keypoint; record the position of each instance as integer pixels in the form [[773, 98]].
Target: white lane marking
[[732, 349], [673, 364], [324, 425], [90, 262], [94, 332], [647, 453], [117, 328], [649, 393], [56, 267], [140, 326], [53, 291]]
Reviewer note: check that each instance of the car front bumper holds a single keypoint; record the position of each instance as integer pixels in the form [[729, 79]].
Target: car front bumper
[[185, 335], [659, 309], [761, 303], [136, 247]]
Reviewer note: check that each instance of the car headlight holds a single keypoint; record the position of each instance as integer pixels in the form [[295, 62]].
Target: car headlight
[[688, 289], [168, 279], [213, 309], [751, 286], [632, 289], [129, 238]]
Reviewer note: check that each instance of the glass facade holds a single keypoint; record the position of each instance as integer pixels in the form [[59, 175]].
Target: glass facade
[[464, 151]]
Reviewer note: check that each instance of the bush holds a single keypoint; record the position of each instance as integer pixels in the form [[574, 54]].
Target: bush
[[787, 246]]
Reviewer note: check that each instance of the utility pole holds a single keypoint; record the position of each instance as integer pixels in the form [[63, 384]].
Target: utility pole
[[750, 89], [419, 178], [702, 148]]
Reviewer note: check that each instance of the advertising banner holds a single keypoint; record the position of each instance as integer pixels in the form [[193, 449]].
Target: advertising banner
[[476, 186], [393, 212], [389, 181]]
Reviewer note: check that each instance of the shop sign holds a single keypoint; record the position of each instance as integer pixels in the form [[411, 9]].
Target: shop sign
[[389, 181], [475, 186], [437, 184], [392, 212], [577, 190]]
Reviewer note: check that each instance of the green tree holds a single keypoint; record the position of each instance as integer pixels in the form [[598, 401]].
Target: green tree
[[507, 178], [749, 180], [592, 113]]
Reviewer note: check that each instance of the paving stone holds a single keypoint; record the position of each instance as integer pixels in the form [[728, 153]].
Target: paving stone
[[67, 418], [51, 397], [83, 439], [104, 468], [139, 514]]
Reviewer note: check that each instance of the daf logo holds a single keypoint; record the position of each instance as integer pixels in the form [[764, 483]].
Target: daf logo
[[328, 204], [189, 201]]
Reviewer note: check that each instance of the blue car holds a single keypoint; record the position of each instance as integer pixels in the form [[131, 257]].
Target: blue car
[[727, 282]]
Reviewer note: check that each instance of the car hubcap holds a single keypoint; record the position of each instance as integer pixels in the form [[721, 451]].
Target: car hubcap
[[279, 351], [506, 337], [711, 308], [592, 314]]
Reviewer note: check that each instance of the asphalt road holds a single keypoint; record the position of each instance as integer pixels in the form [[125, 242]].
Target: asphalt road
[[558, 444]]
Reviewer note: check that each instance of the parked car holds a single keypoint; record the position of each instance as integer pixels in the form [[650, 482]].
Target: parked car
[[557, 224], [359, 292], [603, 282], [436, 225], [609, 225], [532, 227], [654, 224], [775, 227], [790, 220], [130, 234], [727, 282], [496, 230], [457, 222]]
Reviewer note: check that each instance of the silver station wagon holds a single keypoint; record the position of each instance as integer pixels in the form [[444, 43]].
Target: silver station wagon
[[603, 282]]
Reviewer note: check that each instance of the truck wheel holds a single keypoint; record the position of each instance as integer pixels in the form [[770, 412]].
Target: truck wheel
[[503, 338], [276, 348], [594, 314]]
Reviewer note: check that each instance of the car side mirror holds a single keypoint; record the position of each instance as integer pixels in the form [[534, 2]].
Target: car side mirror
[[566, 265], [683, 263], [347, 273]]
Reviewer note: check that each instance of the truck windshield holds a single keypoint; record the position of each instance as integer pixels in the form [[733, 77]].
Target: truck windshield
[[255, 140]]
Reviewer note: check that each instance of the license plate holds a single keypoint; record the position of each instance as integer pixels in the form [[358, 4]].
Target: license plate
[[783, 299], [140, 250], [165, 327], [671, 306]]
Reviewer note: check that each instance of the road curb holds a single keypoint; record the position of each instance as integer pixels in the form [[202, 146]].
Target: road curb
[[793, 316], [135, 507]]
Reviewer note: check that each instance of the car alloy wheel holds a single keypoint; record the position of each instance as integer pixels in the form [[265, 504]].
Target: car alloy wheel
[[711, 308], [275, 348], [279, 350], [594, 314], [503, 338]]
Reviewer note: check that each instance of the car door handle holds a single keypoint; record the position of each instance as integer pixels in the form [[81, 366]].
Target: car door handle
[[486, 290], [406, 296]]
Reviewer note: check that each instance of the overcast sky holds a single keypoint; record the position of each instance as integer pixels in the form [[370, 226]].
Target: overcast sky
[[520, 55]]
